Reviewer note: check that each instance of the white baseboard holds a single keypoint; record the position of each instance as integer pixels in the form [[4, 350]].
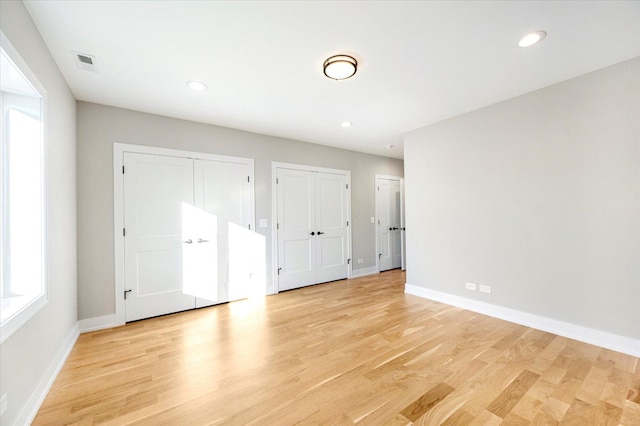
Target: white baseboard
[[355, 273], [98, 323], [30, 409], [603, 339]]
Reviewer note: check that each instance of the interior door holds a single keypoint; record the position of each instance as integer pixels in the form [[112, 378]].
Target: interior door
[[385, 224], [389, 220], [155, 190], [296, 228], [396, 233], [331, 226], [223, 194]]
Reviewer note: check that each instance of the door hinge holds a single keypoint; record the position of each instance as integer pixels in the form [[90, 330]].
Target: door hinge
[[279, 269], [348, 261], [277, 226], [347, 223], [125, 294], [124, 232], [276, 181], [122, 169], [378, 188], [249, 226], [347, 186], [248, 178]]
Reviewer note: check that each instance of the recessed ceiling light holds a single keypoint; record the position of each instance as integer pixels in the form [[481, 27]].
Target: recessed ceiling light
[[197, 85], [532, 38], [346, 124], [340, 67]]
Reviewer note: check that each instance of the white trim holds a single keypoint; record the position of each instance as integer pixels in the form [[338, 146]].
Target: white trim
[[375, 212], [118, 205], [364, 272], [98, 323], [13, 323], [30, 409], [275, 165], [603, 339]]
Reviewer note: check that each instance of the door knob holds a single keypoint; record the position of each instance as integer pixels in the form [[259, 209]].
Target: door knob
[[188, 241], [313, 233], [200, 240], [320, 233]]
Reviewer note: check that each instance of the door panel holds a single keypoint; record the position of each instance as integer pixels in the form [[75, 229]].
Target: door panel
[[389, 212], [155, 189], [331, 220], [296, 221], [383, 211], [223, 191], [395, 201]]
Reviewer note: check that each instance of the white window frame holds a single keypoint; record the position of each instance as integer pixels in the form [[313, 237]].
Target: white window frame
[[25, 313]]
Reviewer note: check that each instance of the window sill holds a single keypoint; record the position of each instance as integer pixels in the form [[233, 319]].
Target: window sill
[[16, 311]]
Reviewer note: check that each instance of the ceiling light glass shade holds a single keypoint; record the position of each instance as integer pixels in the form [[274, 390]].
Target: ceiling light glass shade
[[197, 85], [340, 67], [531, 38], [346, 124]]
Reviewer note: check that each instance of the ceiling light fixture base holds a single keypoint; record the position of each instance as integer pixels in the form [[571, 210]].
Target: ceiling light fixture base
[[340, 67]]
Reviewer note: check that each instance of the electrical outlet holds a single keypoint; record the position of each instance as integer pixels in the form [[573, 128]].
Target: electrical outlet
[[485, 288], [3, 404], [470, 286], [360, 260]]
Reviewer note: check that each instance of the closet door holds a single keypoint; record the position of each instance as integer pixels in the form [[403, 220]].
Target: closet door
[[389, 215], [331, 227], [296, 229], [156, 189], [223, 197], [396, 214], [312, 227]]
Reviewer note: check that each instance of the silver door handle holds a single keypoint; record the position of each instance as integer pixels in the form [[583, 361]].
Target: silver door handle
[[188, 241], [200, 240]]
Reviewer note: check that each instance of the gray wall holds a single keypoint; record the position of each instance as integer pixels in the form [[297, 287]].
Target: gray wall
[[537, 196], [28, 353], [100, 126]]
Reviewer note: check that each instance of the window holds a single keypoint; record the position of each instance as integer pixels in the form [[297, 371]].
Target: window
[[22, 212]]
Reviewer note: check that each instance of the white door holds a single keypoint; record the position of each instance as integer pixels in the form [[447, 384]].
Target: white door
[[296, 229], [331, 226], [223, 194], [155, 191], [389, 223], [312, 227], [187, 223]]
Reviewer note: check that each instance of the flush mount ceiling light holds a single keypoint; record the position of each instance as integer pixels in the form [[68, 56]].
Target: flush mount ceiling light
[[197, 86], [346, 124], [340, 67], [532, 38]]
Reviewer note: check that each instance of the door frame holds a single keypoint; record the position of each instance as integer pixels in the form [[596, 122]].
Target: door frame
[[275, 165], [119, 150], [375, 206]]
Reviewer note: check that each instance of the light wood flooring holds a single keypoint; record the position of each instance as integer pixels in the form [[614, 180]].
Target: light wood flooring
[[356, 351]]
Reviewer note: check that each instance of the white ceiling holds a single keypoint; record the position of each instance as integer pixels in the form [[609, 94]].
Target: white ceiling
[[419, 62]]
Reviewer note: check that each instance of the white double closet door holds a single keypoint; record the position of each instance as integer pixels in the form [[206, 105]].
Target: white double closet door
[[181, 218], [312, 227], [390, 222]]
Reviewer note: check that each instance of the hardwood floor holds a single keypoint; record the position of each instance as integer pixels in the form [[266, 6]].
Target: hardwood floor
[[357, 351]]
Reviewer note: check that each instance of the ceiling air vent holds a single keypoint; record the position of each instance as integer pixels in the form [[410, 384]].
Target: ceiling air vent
[[84, 61]]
